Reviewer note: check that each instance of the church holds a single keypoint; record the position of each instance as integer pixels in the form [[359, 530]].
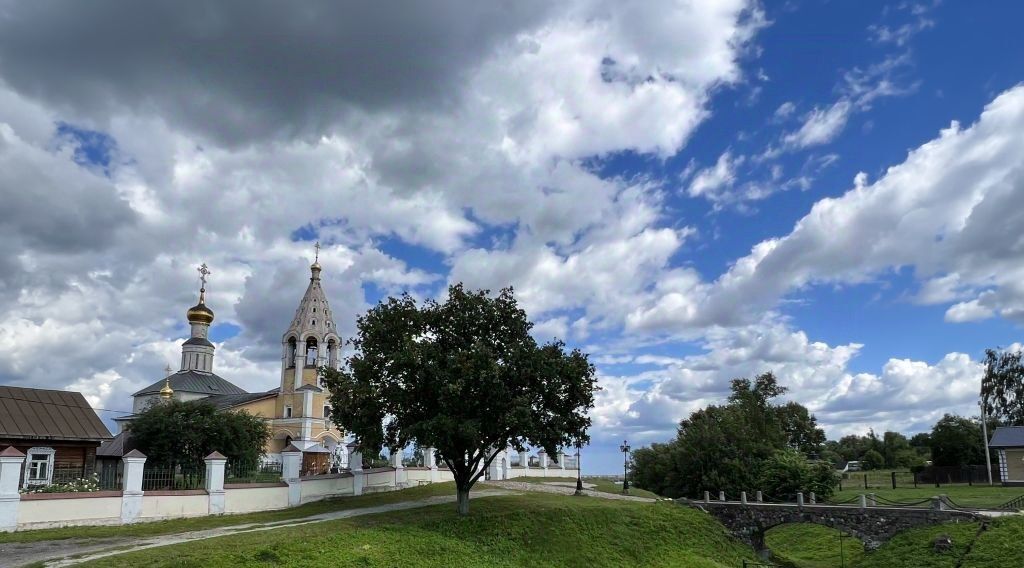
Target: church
[[298, 410]]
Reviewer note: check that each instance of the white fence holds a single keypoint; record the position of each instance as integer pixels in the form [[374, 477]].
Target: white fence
[[131, 504]]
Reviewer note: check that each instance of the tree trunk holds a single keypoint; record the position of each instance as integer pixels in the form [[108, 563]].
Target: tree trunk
[[463, 500]]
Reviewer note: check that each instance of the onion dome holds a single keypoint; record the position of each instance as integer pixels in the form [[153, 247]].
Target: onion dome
[[199, 313], [167, 392]]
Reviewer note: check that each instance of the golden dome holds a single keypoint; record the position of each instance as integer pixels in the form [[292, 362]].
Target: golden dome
[[166, 392], [199, 313]]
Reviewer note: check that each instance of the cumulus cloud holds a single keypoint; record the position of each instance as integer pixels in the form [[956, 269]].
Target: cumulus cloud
[[234, 132]]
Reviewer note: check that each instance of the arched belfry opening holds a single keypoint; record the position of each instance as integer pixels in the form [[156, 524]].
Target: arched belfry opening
[[332, 353], [290, 350], [311, 352]]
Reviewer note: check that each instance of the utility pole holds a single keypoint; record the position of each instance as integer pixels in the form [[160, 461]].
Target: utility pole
[[984, 434]]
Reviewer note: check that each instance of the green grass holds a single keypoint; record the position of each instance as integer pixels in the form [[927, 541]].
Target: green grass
[[807, 545], [811, 546], [966, 495], [201, 523], [521, 530], [602, 485]]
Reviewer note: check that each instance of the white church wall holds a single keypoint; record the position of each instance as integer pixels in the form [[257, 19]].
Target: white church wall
[[41, 513], [252, 499]]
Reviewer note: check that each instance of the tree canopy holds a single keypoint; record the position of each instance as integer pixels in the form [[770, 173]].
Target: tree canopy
[[1002, 386], [725, 447], [463, 376], [956, 440], [177, 433]]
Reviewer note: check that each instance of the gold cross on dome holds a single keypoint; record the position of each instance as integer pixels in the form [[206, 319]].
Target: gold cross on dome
[[203, 273], [317, 247]]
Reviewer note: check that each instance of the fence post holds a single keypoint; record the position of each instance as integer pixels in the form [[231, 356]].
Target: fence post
[[863, 501], [970, 476], [215, 481], [894, 480], [396, 462], [743, 497], [865, 481], [800, 500], [721, 495], [758, 497], [840, 483], [430, 462], [814, 498], [938, 504], [915, 480], [561, 459], [11, 462], [872, 500], [291, 464], [707, 497], [131, 495], [524, 462]]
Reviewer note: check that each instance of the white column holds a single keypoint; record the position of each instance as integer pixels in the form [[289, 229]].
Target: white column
[[543, 456], [291, 463], [131, 495], [429, 461], [300, 364], [524, 462], [215, 482], [561, 459], [11, 461], [401, 478], [355, 465]]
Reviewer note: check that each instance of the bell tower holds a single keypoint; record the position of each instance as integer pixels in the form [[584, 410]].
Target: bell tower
[[312, 339]]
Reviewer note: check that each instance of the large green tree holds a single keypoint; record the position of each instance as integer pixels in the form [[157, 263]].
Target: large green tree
[[463, 376], [175, 433], [723, 447], [1002, 386], [956, 440]]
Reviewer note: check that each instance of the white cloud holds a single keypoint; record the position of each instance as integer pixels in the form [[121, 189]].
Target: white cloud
[[709, 181], [820, 126]]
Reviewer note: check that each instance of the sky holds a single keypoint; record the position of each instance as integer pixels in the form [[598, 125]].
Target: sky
[[690, 191]]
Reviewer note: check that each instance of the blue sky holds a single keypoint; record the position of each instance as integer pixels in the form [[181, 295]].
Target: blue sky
[[689, 192]]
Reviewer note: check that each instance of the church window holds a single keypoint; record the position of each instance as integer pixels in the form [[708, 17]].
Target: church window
[[311, 352], [327, 412], [291, 351], [287, 412]]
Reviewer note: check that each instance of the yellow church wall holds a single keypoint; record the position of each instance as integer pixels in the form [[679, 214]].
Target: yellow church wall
[[264, 408]]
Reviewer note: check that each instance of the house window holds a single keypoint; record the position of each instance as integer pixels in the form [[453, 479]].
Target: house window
[[39, 466], [327, 412], [287, 412]]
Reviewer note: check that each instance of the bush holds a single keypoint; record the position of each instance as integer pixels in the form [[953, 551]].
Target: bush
[[787, 472], [872, 460], [80, 485]]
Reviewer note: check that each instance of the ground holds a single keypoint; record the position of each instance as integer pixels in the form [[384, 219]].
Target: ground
[[597, 484], [514, 530], [812, 546]]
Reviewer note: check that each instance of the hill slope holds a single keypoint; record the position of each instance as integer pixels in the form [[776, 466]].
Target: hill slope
[[519, 530]]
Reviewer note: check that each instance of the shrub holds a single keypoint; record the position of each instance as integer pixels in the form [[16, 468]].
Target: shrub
[[80, 485], [787, 472]]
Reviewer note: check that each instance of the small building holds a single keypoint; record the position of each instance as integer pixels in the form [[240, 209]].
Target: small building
[[1008, 441], [56, 430]]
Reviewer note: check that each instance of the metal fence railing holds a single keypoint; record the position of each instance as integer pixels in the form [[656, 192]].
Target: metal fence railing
[[240, 472], [67, 473], [172, 478], [936, 476]]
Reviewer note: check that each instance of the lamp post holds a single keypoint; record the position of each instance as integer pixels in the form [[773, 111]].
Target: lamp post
[[984, 434], [579, 471], [624, 448]]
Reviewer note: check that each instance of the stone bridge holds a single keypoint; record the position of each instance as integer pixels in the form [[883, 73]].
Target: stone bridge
[[872, 525]]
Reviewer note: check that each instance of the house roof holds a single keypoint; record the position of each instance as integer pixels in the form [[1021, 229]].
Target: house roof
[[233, 400], [1007, 437], [48, 415], [195, 382], [116, 447]]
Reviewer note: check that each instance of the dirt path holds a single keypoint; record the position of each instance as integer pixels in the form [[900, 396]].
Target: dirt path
[[68, 552], [561, 489]]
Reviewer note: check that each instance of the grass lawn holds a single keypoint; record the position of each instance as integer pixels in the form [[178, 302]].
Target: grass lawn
[[602, 485], [966, 495], [200, 523], [521, 530], [813, 546], [807, 545]]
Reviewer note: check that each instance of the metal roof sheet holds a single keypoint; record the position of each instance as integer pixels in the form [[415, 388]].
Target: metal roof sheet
[[194, 381], [1007, 436], [48, 414]]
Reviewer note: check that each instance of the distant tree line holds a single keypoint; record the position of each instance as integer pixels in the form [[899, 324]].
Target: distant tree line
[[748, 444], [753, 443]]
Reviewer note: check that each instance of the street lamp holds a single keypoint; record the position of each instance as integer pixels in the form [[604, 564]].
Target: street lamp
[[579, 471], [624, 448]]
